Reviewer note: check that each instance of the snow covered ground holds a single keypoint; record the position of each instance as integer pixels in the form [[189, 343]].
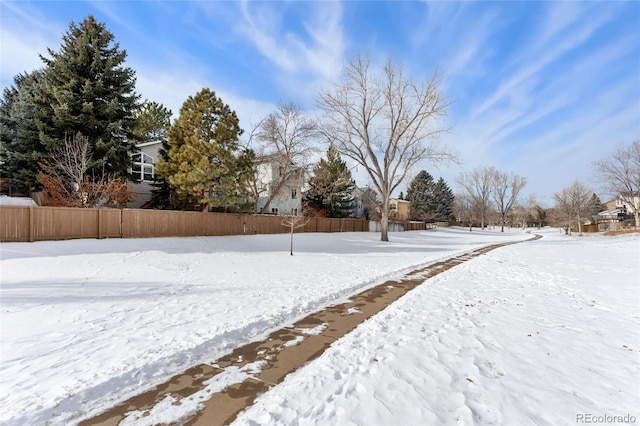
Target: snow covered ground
[[536, 332], [5, 200], [546, 332]]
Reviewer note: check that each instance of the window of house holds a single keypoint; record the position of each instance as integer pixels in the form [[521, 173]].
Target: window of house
[[294, 194], [143, 167], [274, 210]]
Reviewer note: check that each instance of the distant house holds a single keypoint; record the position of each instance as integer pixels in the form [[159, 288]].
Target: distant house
[[284, 196], [628, 201], [144, 170], [364, 203], [398, 209]]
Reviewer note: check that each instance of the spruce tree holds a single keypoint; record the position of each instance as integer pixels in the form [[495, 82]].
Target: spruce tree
[[88, 90], [420, 197], [205, 164], [443, 201], [331, 186], [20, 148], [595, 205]]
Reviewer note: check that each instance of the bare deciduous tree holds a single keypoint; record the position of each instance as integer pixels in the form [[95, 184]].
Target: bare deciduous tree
[[64, 179], [621, 176], [465, 209], [478, 184], [572, 205], [295, 219], [534, 212], [506, 188], [285, 137], [72, 159], [387, 124]]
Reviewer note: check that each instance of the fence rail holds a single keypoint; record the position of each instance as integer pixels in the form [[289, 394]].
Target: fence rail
[[29, 223]]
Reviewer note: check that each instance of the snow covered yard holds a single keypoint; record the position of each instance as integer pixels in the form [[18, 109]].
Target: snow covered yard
[[546, 332], [530, 333]]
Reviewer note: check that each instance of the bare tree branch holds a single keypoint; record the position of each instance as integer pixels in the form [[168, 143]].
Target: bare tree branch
[[284, 137], [572, 205], [387, 125], [506, 187], [478, 184]]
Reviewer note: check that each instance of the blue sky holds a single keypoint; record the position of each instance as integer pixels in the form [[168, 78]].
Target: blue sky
[[542, 89]]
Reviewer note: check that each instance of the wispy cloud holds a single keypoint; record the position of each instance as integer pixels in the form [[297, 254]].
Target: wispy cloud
[[19, 53], [543, 56], [114, 15], [539, 88], [315, 53]]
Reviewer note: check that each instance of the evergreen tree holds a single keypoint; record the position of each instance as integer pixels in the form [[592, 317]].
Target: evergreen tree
[[204, 163], [595, 205], [20, 147], [331, 186], [87, 90], [443, 200], [420, 196], [153, 122]]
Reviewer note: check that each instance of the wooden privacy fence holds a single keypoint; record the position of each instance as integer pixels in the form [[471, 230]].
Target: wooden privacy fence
[[26, 223], [395, 226]]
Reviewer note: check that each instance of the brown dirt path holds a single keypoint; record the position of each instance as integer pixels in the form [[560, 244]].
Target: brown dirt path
[[283, 352]]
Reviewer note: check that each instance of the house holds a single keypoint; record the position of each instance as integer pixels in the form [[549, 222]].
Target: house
[[364, 203], [618, 212], [628, 201], [609, 220], [398, 209], [144, 170], [278, 187]]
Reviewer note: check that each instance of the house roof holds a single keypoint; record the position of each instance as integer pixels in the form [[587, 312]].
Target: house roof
[[271, 158], [140, 145], [608, 214], [397, 200]]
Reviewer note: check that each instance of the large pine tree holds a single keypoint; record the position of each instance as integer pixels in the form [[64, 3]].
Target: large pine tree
[[331, 186], [443, 200], [205, 164], [420, 197], [88, 90], [20, 146]]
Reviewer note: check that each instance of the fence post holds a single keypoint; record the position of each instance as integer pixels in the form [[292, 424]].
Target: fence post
[[99, 223], [30, 224]]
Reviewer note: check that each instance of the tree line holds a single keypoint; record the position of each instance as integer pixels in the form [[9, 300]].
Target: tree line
[[491, 197], [71, 128], [84, 98]]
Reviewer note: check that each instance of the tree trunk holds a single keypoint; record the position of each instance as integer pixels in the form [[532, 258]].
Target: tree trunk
[[291, 245], [384, 220], [636, 214]]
